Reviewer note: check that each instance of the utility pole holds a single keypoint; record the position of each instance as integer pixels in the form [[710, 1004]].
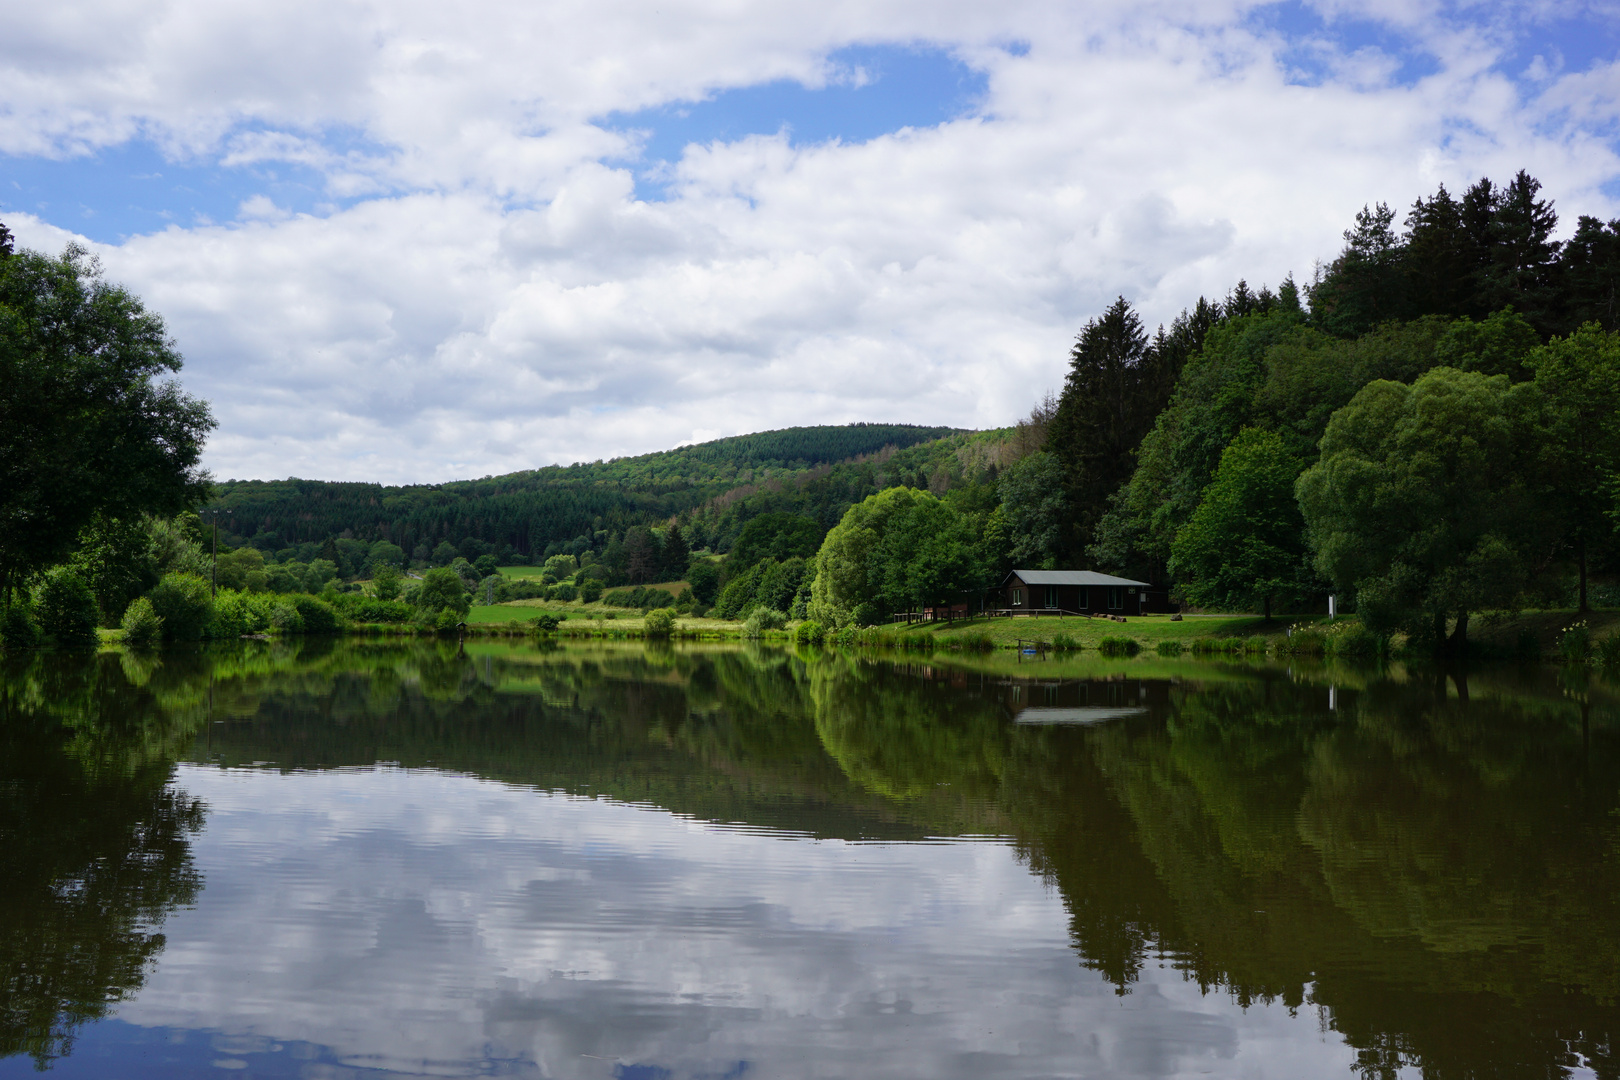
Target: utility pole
[[213, 571]]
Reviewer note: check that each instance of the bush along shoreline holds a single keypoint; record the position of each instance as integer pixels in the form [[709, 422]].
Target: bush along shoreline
[[62, 613]]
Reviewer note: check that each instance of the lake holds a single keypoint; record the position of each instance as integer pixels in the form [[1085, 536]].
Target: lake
[[367, 859]]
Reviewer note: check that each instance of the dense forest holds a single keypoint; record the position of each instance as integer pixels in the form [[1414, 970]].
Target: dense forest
[[524, 514], [1427, 427]]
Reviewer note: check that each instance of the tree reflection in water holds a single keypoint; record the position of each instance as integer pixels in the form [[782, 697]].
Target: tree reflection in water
[[94, 848], [1430, 862]]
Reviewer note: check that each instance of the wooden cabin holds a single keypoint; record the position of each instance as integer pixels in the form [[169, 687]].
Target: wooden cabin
[[1079, 592]]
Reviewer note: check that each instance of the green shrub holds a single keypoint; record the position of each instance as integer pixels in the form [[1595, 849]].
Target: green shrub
[[230, 617], [1608, 651], [872, 636], [809, 632], [1119, 646], [1065, 643], [142, 625], [1351, 639], [844, 635], [762, 619], [564, 593], [639, 597], [17, 628], [1303, 643], [357, 607], [380, 611], [442, 590], [317, 616], [1575, 643], [545, 623], [659, 622], [1301, 639], [1219, 645], [1168, 648], [447, 620], [183, 602], [918, 642], [67, 610], [589, 593], [386, 581], [284, 618]]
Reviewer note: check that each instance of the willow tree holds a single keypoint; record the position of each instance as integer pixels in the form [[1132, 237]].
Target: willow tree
[[893, 551], [1424, 502]]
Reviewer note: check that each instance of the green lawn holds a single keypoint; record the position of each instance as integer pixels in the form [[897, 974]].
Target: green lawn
[[580, 616], [1148, 629], [521, 571]]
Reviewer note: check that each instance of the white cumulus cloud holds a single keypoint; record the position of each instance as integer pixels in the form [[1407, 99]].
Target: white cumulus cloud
[[487, 288]]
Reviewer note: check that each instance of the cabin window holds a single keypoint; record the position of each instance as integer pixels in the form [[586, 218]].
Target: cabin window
[[1085, 598], [1051, 596], [1018, 597], [1116, 598]]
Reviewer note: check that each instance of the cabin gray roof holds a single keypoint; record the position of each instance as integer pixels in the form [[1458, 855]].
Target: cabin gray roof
[[1072, 577]]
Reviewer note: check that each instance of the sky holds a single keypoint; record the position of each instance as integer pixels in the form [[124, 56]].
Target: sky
[[415, 242]]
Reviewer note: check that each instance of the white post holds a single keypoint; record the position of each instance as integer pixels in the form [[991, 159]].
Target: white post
[[1333, 605]]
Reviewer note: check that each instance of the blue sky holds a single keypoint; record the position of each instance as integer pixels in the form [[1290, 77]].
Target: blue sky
[[874, 90], [136, 186], [408, 242], [133, 187]]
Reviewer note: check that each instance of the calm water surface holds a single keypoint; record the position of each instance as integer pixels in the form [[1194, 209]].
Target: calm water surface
[[356, 859]]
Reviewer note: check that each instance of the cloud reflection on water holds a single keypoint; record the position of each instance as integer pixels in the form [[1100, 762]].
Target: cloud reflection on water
[[421, 923]]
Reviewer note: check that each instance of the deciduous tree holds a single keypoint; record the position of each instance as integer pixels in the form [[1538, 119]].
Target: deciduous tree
[[1245, 545], [90, 423], [1579, 448], [1421, 503]]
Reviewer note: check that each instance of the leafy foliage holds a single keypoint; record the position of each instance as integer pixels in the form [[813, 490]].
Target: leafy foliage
[[66, 609], [1245, 545], [142, 624], [184, 603], [88, 427], [894, 550], [443, 590], [659, 623], [532, 512], [1423, 502], [1579, 444], [777, 536]]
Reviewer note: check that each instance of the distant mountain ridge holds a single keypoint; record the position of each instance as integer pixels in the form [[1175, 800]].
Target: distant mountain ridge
[[527, 511]]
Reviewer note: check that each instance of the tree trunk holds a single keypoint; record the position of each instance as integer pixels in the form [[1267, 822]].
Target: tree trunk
[[1458, 645], [1267, 605]]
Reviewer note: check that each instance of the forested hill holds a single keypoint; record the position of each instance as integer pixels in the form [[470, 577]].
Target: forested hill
[[825, 467]]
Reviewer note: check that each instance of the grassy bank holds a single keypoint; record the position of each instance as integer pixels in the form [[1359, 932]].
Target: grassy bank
[[1527, 635], [1149, 630]]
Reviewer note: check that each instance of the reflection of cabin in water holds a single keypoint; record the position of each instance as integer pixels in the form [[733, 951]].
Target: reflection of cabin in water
[[1081, 701], [1079, 592]]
